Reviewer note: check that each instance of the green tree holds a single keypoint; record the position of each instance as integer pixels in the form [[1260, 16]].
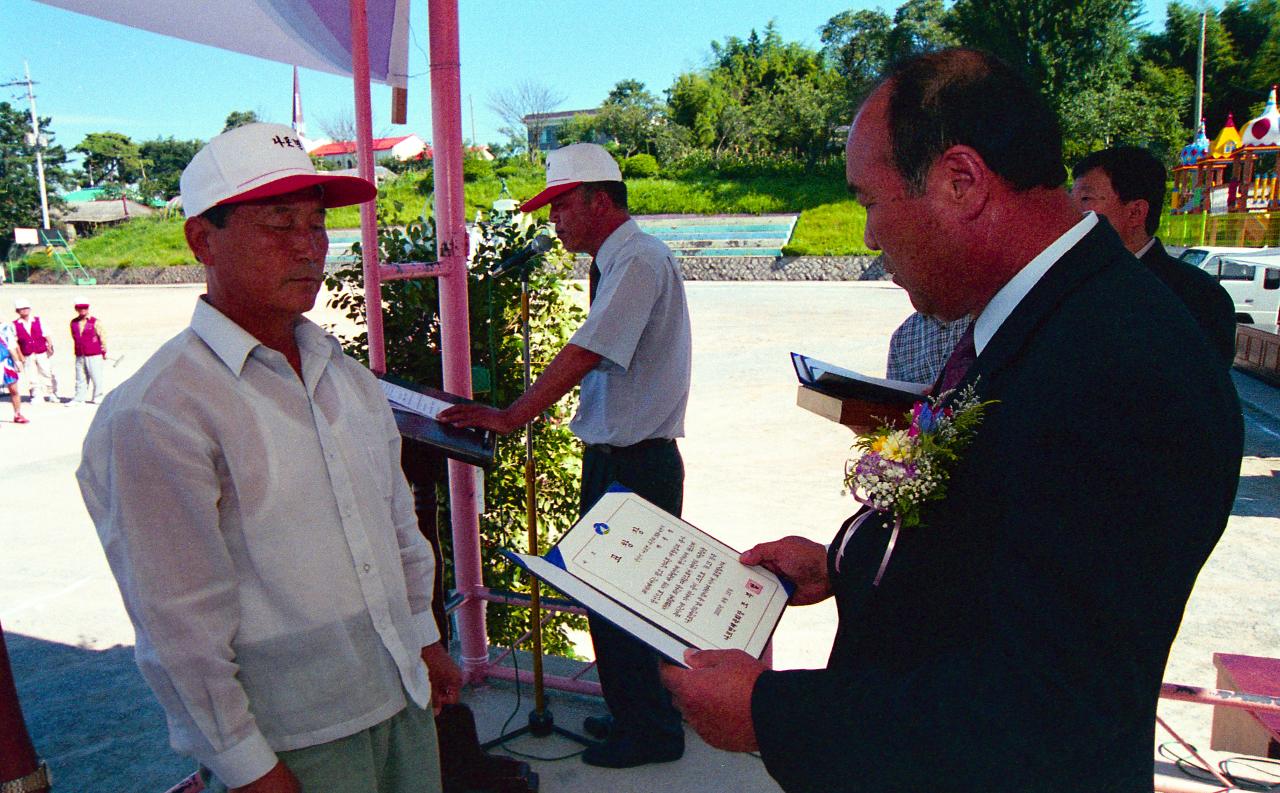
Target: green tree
[[19, 183], [1061, 46], [631, 116], [412, 328], [1120, 112], [801, 116], [1242, 56], [111, 158], [919, 26], [238, 118], [167, 158], [582, 128]]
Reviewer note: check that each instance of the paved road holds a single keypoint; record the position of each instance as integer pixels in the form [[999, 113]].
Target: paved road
[[758, 466]]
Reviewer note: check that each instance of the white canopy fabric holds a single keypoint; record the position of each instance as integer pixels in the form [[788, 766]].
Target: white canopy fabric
[[315, 34]]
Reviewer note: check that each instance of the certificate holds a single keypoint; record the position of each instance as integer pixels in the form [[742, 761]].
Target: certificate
[[663, 580]]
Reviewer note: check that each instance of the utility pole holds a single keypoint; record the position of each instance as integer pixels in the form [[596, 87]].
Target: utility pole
[[1204, 17], [36, 141]]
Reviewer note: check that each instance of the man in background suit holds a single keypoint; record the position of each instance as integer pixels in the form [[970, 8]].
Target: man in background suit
[[1125, 185], [1017, 638]]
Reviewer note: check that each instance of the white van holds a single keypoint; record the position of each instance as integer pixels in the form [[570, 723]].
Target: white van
[[1251, 277]]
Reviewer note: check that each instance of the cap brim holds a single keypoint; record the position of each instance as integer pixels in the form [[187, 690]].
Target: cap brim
[[547, 196], [339, 191]]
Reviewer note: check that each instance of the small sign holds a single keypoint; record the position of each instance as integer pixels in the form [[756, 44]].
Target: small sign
[[26, 237]]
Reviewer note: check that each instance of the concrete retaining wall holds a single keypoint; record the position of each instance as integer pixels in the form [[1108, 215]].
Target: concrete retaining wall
[[768, 268], [725, 268]]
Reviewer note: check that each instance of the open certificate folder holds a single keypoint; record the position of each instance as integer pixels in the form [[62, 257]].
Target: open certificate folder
[[661, 579], [847, 384]]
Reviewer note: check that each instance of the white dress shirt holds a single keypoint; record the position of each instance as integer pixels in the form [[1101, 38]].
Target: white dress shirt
[[639, 322], [265, 543], [1010, 295]]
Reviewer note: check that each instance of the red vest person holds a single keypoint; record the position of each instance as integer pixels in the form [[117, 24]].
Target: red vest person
[[91, 350], [38, 349]]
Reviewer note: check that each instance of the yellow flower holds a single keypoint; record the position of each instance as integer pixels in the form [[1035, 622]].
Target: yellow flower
[[898, 446]]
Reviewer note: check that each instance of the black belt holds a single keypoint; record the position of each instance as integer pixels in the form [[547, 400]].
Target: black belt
[[648, 443]]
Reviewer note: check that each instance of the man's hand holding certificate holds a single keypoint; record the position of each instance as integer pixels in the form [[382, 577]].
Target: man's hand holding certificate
[[661, 579]]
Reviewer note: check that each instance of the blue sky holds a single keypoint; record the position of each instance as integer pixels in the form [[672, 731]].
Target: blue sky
[[97, 76]]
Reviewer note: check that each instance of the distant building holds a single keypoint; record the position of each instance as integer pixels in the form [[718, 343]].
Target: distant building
[[544, 128], [342, 154]]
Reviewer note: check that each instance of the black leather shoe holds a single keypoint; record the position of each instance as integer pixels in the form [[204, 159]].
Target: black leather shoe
[[598, 727], [628, 752]]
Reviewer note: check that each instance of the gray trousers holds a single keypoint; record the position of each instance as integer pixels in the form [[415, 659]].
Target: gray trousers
[[399, 755], [89, 367]]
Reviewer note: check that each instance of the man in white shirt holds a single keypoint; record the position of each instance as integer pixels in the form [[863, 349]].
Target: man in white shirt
[[633, 358], [246, 487], [1024, 625]]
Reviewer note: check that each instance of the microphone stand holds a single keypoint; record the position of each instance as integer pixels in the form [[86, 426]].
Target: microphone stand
[[541, 722]]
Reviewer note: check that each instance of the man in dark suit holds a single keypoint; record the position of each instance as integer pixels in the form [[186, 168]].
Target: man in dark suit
[[1126, 185], [1016, 640]]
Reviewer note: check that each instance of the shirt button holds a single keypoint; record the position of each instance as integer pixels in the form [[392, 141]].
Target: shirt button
[[367, 568]]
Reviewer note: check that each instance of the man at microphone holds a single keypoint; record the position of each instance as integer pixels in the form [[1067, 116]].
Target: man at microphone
[[632, 357]]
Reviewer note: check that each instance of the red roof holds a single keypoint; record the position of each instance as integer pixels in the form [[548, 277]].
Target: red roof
[[349, 146]]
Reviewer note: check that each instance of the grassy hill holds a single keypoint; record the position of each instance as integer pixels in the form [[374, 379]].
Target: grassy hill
[[830, 224]]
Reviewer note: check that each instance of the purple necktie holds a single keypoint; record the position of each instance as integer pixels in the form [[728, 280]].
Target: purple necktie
[[962, 357]]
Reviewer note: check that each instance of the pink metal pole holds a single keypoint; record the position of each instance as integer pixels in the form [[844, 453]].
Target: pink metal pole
[[364, 162], [451, 246]]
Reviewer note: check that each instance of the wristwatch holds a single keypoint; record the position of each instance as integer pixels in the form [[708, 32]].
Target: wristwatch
[[35, 782]]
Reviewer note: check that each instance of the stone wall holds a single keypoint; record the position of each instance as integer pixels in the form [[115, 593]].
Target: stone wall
[[768, 268], [118, 276], [722, 268]]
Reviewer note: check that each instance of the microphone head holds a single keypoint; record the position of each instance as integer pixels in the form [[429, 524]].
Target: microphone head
[[541, 243]]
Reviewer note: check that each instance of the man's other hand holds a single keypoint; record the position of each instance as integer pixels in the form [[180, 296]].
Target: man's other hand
[[444, 674], [483, 416], [800, 561], [714, 695], [278, 780]]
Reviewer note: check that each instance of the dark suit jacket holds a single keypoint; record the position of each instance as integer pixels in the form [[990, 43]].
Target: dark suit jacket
[[1210, 305], [1018, 639]]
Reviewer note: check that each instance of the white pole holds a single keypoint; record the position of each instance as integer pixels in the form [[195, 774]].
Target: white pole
[[1195, 122], [39, 146]]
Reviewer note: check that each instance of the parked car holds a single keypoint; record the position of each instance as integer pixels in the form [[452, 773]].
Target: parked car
[[1197, 255], [1251, 277]]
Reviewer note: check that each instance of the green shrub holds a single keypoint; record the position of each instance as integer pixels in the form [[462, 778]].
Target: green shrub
[[640, 166], [475, 168], [413, 347]]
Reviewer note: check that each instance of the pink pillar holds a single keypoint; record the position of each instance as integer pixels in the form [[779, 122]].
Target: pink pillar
[[364, 161], [451, 246]]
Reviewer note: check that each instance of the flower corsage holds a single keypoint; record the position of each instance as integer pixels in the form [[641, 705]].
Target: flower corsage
[[898, 471]]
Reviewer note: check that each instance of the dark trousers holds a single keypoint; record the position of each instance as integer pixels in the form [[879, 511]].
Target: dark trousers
[[628, 668]]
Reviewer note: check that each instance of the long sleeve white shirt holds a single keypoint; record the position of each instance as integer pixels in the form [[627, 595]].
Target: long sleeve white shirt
[[264, 541]]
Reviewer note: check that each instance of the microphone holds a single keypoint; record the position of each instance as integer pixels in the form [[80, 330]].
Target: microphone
[[515, 261]]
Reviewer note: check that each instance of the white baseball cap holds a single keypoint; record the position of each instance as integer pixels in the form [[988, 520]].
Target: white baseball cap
[[21, 303], [260, 161], [569, 167], [81, 300]]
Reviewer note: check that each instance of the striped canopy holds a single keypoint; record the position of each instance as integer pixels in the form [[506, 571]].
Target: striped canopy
[[315, 34]]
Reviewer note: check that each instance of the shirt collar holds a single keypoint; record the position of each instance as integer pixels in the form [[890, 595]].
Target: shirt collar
[[1012, 293], [233, 344], [1143, 250], [609, 248]]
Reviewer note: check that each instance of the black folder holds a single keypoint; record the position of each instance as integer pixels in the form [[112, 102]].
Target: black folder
[[471, 446]]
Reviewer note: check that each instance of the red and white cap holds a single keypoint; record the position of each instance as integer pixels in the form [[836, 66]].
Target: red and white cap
[[569, 167], [260, 161]]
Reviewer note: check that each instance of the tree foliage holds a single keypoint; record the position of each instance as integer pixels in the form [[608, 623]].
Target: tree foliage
[[411, 317], [111, 158], [166, 158], [238, 118], [19, 183]]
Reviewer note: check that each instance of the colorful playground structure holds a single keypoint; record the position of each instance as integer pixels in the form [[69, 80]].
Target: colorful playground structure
[[1225, 190]]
